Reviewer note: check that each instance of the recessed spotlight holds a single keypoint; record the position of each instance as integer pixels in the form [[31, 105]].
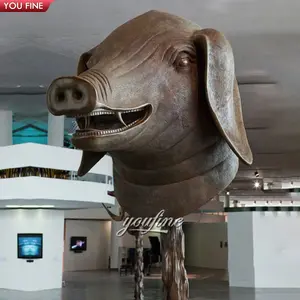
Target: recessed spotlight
[[227, 193], [256, 184], [256, 174]]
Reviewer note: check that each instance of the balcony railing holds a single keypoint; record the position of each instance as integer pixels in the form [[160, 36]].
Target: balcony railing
[[52, 173]]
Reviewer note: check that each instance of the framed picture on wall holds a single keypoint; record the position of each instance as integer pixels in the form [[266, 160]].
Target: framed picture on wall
[[78, 243], [30, 245]]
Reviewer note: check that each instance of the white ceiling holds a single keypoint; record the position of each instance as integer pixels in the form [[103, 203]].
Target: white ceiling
[[265, 35]]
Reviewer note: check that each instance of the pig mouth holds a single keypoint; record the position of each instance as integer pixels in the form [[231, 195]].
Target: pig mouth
[[103, 122]]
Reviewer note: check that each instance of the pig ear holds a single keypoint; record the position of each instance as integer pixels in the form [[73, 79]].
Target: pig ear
[[82, 64], [214, 55], [83, 61]]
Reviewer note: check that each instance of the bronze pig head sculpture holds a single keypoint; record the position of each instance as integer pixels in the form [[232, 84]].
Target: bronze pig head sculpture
[[160, 95]]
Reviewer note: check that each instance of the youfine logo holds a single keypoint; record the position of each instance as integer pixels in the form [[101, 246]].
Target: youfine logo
[[25, 5], [144, 225]]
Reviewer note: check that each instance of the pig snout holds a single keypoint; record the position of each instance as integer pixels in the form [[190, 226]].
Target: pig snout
[[71, 96]]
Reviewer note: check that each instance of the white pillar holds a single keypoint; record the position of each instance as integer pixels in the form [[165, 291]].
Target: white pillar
[[56, 127], [6, 122], [115, 245], [36, 274], [240, 249], [264, 249], [227, 200]]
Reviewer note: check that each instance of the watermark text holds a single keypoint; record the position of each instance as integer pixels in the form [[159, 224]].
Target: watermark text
[[144, 225], [25, 5]]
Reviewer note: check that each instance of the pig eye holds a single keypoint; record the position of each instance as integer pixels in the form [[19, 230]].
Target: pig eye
[[183, 62]]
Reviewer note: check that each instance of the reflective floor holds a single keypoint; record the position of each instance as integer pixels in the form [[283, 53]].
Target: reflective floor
[[204, 285]]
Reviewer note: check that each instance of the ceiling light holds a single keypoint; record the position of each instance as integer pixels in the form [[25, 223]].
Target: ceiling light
[[227, 193], [256, 184], [29, 206], [256, 174]]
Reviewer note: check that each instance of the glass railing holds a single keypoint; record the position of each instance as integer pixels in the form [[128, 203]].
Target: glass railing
[[52, 173]]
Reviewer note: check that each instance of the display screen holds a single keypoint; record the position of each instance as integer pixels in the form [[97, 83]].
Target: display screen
[[30, 246], [78, 243]]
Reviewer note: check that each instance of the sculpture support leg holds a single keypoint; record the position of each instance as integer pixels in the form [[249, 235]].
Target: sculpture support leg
[[139, 267], [174, 276]]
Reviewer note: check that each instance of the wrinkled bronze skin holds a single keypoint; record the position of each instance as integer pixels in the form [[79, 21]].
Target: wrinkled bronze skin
[[188, 150]]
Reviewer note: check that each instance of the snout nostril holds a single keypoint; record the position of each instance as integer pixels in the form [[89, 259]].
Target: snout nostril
[[60, 96], [71, 96], [77, 94]]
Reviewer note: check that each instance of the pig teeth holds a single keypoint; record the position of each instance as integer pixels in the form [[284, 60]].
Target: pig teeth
[[105, 132], [101, 112], [119, 115], [108, 112]]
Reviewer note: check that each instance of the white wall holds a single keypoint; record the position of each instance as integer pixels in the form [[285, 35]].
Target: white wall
[[45, 273], [45, 156], [98, 245], [91, 213], [60, 192], [202, 245]]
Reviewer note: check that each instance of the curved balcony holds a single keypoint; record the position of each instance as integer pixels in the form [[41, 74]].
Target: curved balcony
[[52, 173], [35, 175]]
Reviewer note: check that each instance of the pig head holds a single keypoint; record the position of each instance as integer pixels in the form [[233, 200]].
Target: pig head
[[159, 94]]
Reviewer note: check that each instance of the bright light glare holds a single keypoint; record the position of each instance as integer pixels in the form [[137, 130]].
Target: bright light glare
[[29, 206], [256, 184]]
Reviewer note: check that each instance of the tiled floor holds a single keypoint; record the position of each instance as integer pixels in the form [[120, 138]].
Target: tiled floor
[[204, 285]]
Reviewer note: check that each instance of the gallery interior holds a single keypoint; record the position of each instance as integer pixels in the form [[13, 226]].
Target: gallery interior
[[60, 239]]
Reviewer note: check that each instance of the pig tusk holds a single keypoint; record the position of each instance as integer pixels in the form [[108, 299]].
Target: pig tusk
[[119, 115], [113, 216]]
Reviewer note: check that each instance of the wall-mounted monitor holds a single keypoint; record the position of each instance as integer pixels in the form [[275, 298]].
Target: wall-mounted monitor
[[30, 245], [78, 243]]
